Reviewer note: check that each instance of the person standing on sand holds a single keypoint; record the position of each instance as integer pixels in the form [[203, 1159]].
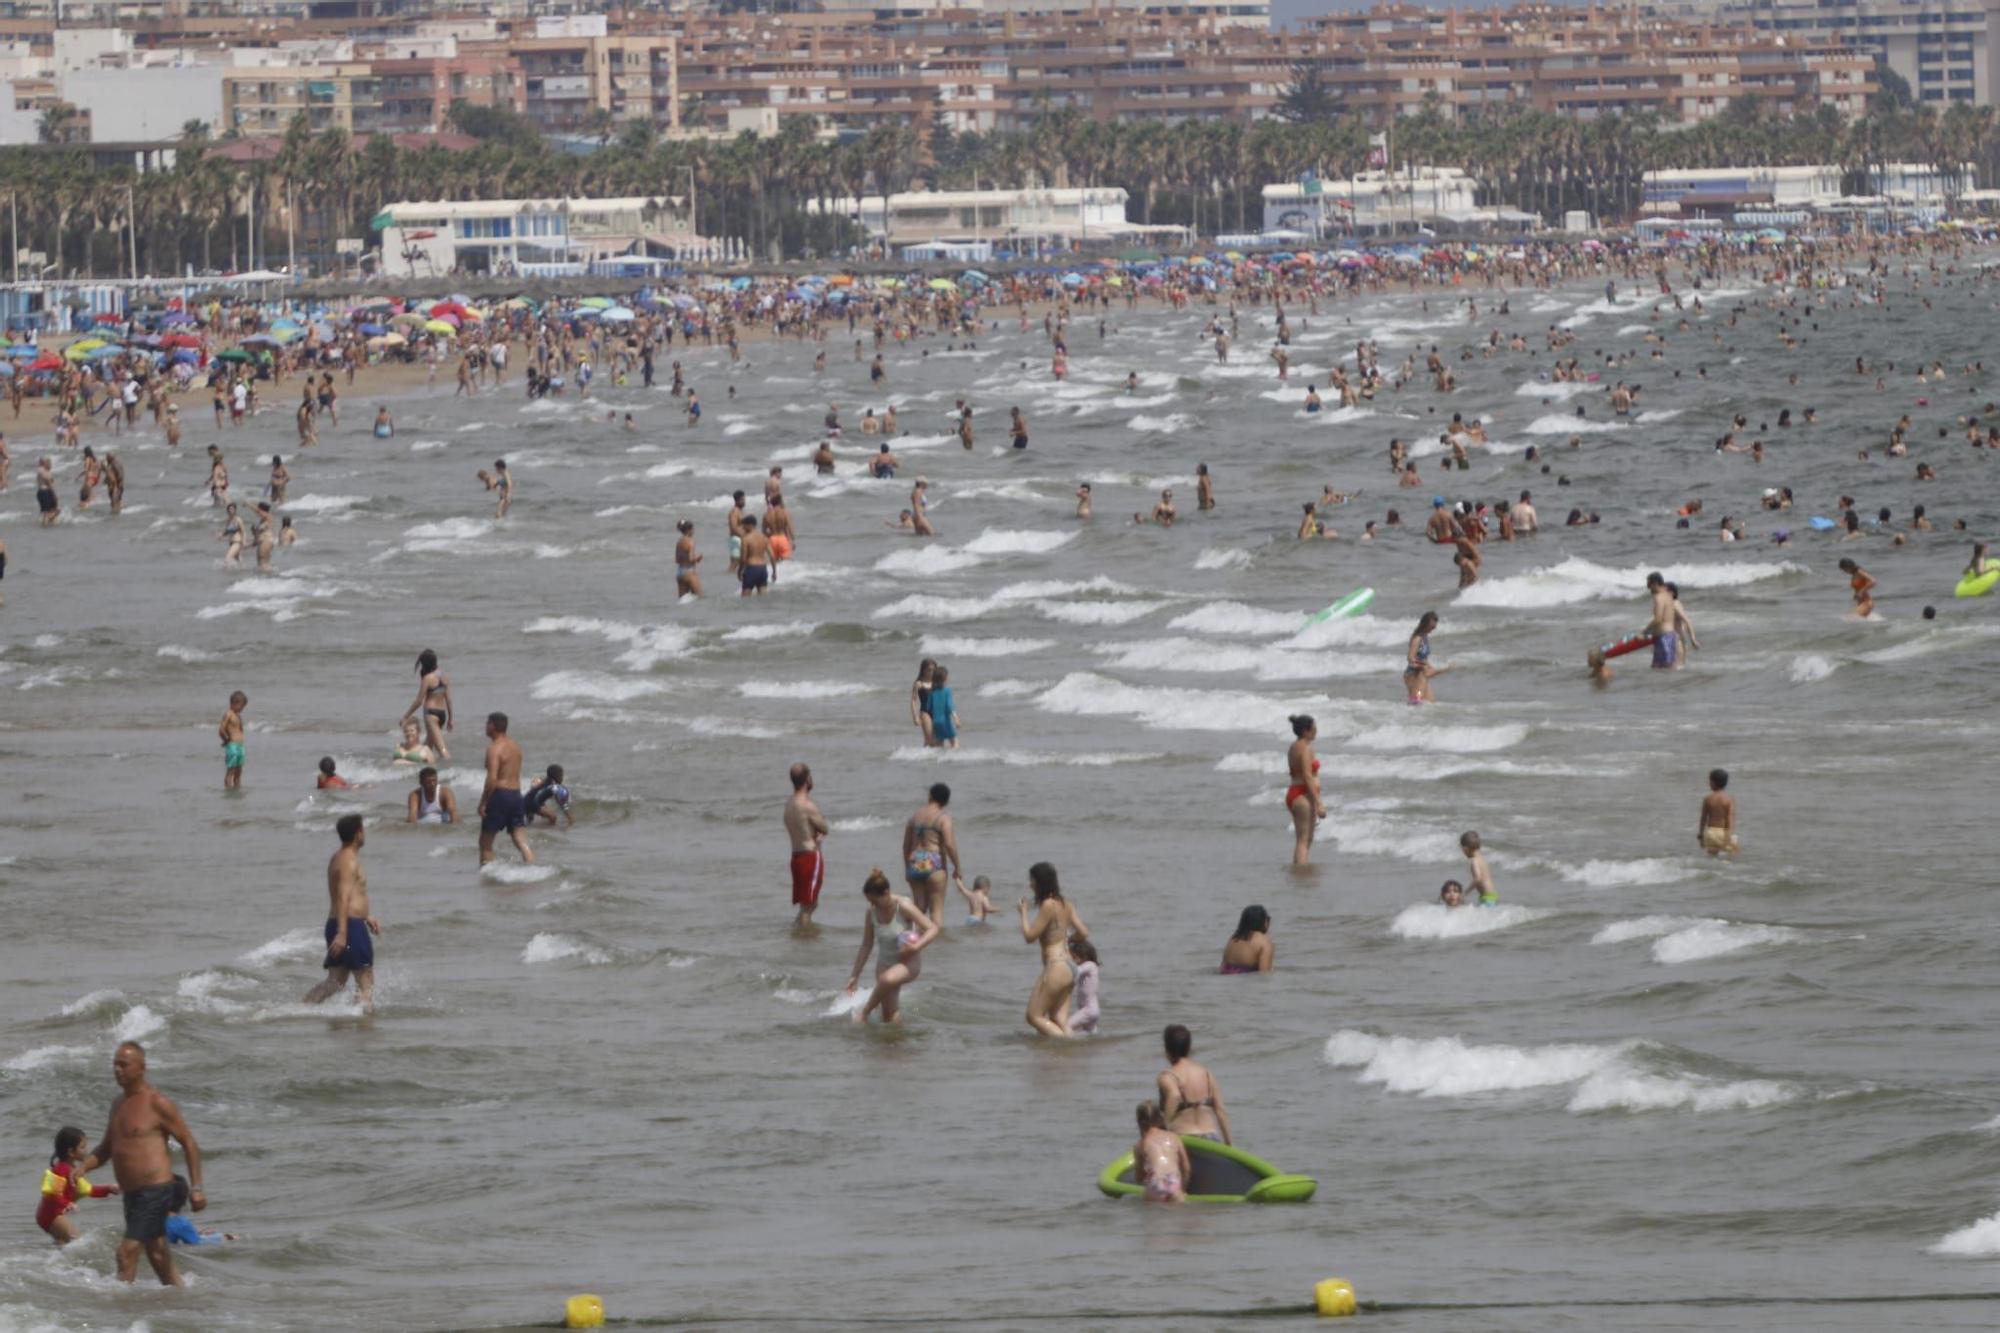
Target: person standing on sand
[[135, 1144], [500, 804], [1716, 831], [350, 925], [807, 829]]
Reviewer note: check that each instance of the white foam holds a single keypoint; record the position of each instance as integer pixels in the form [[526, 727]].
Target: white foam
[[1605, 1077], [1578, 580], [1981, 1240], [801, 689], [646, 646], [1234, 619], [1680, 939], [1435, 921], [324, 504], [785, 629], [449, 530], [185, 653], [1643, 872], [594, 686], [1097, 613], [1223, 557], [40, 1057], [858, 824], [1018, 541], [1019, 758], [1809, 667], [925, 561], [299, 943], [95, 999], [1087, 694], [1171, 424], [138, 1023], [1445, 739], [511, 872], [725, 726], [547, 947], [1561, 423], [949, 646]]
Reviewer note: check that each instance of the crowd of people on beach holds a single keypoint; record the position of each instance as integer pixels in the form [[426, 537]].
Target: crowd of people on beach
[[564, 348]]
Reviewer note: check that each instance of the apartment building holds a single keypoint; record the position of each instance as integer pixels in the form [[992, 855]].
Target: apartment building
[[1944, 49], [265, 100], [415, 92]]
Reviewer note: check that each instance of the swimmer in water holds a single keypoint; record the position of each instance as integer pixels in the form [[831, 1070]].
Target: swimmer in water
[[1083, 500], [898, 951], [1083, 1012], [1483, 892], [1302, 798], [1716, 829], [1054, 923], [1452, 895], [978, 900], [1863, 586], [63, 1184], [385, 426], [1250, 948], [1160, 1162], [1418, 669], [687, 561], [431, 802], [411, 749]]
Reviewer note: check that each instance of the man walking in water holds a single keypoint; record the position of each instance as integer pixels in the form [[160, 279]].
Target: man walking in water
[[807, 828], [135, 1143], [500, 804], [350, 927], [1661, 626]]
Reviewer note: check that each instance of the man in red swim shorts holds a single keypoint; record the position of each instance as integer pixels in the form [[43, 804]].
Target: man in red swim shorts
[[807, 829]]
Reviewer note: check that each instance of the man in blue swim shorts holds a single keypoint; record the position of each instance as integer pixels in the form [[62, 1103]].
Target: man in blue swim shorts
[[351, 927], [500, 804]]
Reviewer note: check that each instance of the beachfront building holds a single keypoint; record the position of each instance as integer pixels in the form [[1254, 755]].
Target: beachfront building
[[1719, 192], [1382, 201], [1944, 49], [1015, 219], [544, 236]]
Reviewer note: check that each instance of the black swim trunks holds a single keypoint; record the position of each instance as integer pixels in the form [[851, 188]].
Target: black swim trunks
[[146, 1211], [505, 811], [756, 576], [46, 498], [359, 955]]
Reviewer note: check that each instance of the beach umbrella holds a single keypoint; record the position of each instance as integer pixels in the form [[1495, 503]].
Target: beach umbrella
[[842, 280], [23, 351], [389, 340], [6, 370], [104, 353], [46, 361], [379, 303], [371, 330], [259, 340], [441, 328], [174, 318], [739, 284], [233, 354], [618, 314], [597, 302], [184, 356], [683, 301], [891, 283], [942, 285], [407, 317], [1072, 280]]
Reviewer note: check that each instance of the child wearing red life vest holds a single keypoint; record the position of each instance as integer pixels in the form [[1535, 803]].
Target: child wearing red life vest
[[63, 1185]]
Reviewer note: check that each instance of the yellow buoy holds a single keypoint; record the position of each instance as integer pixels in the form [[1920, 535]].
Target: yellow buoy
[[1334, 1297], [588, 1312]]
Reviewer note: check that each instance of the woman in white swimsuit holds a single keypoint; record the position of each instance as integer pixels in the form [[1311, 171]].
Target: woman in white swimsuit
[[897, 961]]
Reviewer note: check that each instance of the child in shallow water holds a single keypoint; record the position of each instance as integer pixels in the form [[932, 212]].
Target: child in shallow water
[[1159, 1159], [1083, 1010], [1452, 894], [978, 900]]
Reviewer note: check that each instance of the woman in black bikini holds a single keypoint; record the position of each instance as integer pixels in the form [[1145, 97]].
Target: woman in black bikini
[[1189, 1094], [434, 700]]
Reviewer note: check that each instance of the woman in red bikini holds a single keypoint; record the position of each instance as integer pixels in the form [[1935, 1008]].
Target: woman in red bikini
[[1302, 798]]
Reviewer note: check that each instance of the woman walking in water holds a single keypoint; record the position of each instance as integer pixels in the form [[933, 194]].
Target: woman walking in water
[[1417, 668], [897, 951], [1190, 1097], [920, 700], [1054, 921], [433, 700], [1302, 798]]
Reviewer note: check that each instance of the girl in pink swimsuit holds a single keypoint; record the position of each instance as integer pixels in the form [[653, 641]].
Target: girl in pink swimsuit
[[1159, 1158]]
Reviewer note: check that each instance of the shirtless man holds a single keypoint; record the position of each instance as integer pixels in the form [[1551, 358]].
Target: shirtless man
[[500, 803], [755, 575], [1164, 512], [1204, 488], [230, 732], [350, 927], [1716, 831], [1439, 528], [807, 828], [1526, 521], [1661, 625], [135, 1143]]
